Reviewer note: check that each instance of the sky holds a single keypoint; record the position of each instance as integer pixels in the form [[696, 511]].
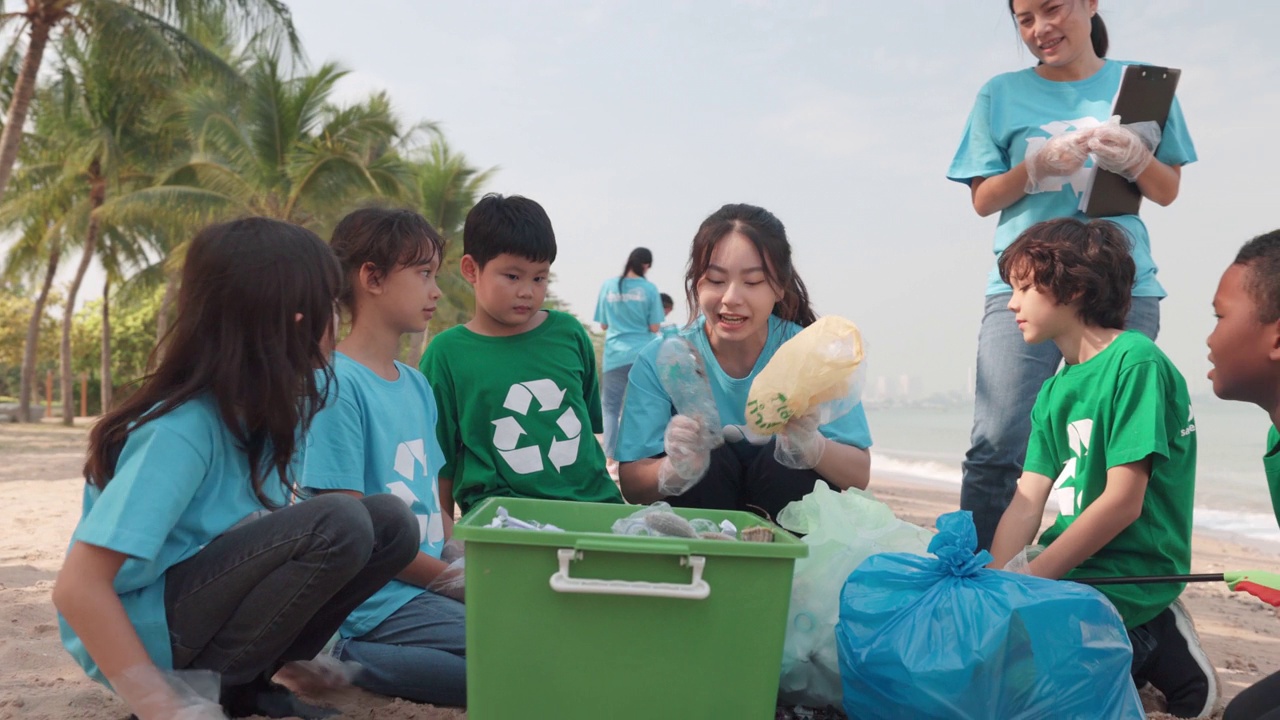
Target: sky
[[630, 122]]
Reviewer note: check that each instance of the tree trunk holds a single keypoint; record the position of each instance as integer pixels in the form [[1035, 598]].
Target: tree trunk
[[162, 320], [32, 344], [97, 195], [23, 90], [106, 386]]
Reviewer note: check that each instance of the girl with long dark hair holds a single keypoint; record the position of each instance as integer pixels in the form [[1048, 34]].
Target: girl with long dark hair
[[187, 555]]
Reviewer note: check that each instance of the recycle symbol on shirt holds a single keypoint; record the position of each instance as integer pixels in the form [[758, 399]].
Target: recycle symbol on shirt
[[508, 430]]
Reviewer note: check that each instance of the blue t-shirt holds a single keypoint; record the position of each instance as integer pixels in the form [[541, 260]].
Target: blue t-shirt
[[180, 482], [379, 436], [1018, 110], [628, 312], [648, 408]]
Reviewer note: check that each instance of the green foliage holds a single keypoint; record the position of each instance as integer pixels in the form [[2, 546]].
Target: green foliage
[[446, 187], [15, 313], [133, 335]]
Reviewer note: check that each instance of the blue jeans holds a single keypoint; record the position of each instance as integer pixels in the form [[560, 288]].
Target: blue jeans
[[1010, 373], [276, 589], [613, 387], [419, 653]]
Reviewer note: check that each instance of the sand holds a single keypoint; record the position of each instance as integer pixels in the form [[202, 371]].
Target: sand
[[40, 490]]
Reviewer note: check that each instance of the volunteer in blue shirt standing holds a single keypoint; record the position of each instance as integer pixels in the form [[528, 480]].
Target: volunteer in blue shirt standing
[[630, 311], [1032, 140]]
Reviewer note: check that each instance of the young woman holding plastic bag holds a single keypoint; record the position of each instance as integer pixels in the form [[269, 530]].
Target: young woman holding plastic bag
[[748, 300], [1026, 154]]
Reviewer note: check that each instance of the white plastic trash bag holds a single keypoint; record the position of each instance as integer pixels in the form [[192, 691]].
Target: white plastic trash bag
[[841, 529]]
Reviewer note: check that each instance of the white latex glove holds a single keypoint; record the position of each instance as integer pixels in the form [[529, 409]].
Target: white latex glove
[[799, 445], [1019, 563], [453, 549], [688, 455], [1059, 156], [451, 581], [1124, 149], [323, 673], [154, 694]]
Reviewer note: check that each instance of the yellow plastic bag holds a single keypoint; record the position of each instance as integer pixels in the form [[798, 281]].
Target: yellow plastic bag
[[814, 367]]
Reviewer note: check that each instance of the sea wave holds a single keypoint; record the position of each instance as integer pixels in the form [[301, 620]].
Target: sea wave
[[929, 467], [1258, 527], [914, 467]]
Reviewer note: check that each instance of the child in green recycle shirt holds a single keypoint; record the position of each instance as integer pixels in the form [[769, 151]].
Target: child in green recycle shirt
[[1244, 350], [1114, 437], [517, 387]]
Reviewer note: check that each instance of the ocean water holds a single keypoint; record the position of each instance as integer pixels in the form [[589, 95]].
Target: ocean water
[[1231, 491]]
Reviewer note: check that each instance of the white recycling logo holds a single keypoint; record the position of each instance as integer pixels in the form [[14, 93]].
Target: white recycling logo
[[507, 430], [409, 455], [1078, 435]]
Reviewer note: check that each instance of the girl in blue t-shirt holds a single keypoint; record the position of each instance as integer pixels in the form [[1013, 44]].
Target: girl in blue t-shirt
[[186, 557], [748, 300], [630, 311], [376, 435], [1029, 148]]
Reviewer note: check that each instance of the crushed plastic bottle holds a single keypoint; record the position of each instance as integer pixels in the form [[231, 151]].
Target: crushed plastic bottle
[[684, 376]]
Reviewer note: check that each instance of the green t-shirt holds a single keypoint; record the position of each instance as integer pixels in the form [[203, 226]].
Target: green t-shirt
[[518, 414], [1125, 404], [1271, 463]]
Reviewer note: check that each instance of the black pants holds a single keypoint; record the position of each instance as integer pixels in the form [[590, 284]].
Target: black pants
[[743, 476], [1259, 701], [276, 589]]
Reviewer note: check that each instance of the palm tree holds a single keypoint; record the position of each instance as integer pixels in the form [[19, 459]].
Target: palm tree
[[38, 212], [105, 99], [276, 148], [121, 22], [446, 188]]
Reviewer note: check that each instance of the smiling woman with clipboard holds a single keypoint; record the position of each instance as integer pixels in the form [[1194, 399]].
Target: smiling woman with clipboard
[[1028, 153], [1025, 154]]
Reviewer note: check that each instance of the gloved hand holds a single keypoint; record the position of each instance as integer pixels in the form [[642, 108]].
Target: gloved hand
[[1059, 156], [688, 448], [800, 445], [453, 550], [1019, 563], [1125, 150], [320, 674], [451, 581], [155, 694]]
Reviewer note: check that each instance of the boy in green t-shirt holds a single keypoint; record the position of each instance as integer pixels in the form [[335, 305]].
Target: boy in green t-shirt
[[517, 387], [1244, 350], [1112, 433]]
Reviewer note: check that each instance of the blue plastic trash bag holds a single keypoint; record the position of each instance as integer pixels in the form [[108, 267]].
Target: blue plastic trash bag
[[947, 638]]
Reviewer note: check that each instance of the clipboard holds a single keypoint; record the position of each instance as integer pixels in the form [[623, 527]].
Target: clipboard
[[1146, 94]]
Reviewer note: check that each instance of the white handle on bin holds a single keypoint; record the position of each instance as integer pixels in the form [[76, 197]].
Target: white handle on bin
[[697, 589]]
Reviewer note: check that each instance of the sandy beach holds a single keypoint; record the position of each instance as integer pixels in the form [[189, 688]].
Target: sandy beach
[[40, 490]]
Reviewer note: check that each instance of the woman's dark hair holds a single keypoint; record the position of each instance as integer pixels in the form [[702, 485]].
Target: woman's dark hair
[[237, 339], [766, 232], [385, 238], [1076, 262], [1097, 33], [637, 263]]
